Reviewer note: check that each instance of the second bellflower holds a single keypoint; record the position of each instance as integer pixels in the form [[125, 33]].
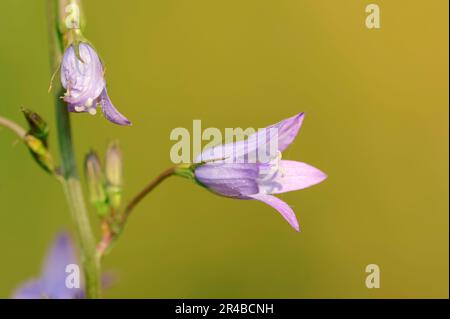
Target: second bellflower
[[82, 75], [226, 169], [51, 284]]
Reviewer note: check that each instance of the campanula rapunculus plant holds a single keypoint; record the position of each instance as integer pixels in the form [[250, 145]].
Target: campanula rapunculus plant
[[82, 75], [249, 169], [51, 284], [226, 169]]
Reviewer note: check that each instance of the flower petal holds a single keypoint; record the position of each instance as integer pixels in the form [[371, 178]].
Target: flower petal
[[53, 279], [280, 206], [288, 130], [84, 81], [230, 180], [31, 289], [290, 176], [247, 150], [110, 112]]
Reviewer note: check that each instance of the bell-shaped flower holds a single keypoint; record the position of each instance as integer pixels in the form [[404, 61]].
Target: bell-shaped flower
[[51, 284], [246, 170], [58, 278], [82, 75]]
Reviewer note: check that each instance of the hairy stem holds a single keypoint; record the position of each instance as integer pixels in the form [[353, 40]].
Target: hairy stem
[[70, 179]]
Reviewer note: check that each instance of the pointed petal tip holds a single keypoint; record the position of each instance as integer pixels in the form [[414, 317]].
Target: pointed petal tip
[[110, 112], [288, 130], [294, 224], [320, 176], [122, 122], [300, 117], [116, 117], [282, 207]]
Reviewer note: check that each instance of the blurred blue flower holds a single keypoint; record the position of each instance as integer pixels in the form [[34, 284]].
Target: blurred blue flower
[[51, 284]]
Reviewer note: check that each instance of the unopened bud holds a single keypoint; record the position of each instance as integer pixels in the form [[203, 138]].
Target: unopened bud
[[40, 152], [96, 183], [71, 16], [114, 174], [37, 126]]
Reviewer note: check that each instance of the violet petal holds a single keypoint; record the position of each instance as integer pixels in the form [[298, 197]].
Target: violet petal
[[31, 289], [291, 176], [84, 81], [280, 206], [230, 180], [284, 131], [110, 112], [52, 283], [61, 254]]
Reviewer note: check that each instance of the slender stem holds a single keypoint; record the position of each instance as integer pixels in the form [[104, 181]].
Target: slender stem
[[138, 198], [110, 237], [13, 126], [70, 180]]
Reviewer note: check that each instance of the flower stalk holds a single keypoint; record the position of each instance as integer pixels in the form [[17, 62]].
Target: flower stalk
[[70, 178], [13, 126], [112, 233]]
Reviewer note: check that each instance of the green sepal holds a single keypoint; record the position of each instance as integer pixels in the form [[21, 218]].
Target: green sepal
[[114, 195], [102, 208], [185, 171]]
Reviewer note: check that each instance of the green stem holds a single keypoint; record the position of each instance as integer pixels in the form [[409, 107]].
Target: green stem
[[13, 126], [70, 180], [110, 237]]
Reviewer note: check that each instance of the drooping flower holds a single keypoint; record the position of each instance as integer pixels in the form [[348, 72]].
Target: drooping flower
[[51, 284], [82, 75], [235, 169]]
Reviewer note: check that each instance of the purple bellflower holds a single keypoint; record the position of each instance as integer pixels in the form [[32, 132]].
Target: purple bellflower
[[82, 75], [52, 282], [226, 169]]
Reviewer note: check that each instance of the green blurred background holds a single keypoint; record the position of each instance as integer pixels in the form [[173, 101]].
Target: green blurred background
[[376, 123]]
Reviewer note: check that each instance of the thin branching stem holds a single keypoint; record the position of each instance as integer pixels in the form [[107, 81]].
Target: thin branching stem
[[13, 126], [109, 237]]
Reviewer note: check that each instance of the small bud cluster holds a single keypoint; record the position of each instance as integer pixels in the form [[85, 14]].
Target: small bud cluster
[[104, 183]]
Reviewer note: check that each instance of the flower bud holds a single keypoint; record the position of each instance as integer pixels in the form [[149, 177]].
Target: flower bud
[[37, 126], [36, 140], [40, 152], [114, 174], [71, 15], [96, 183], [82, 75]]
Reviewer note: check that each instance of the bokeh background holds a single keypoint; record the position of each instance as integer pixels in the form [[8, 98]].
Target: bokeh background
[[377, 123]]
